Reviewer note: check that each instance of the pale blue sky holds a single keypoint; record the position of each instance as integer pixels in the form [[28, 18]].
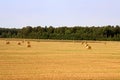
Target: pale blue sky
[[20, 13]]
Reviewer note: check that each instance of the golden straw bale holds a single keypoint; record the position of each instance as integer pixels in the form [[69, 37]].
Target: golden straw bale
[[28, 45], [88, 47], [7, 42], [28, 42], [19, 43], [22, 41]]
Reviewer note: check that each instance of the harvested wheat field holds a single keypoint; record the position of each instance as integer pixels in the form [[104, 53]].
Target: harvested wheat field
[[58, 60]]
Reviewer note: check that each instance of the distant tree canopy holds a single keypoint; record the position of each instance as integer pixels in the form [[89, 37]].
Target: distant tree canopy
[[65, 33]]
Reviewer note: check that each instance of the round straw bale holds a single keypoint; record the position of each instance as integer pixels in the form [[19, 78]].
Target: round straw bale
[[28, 42], [7, 42], [22, 41], [19, 43], [82, 42], [28, 45], [88, 47]]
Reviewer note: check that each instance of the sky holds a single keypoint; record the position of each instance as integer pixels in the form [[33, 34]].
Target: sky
[[21, 13]]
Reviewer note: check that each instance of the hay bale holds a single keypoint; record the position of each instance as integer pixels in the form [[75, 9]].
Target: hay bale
[[82, 43], [28, 42], [85, 42], [88, 47], [28, 45], [105, 43], [7, 42], [22, 41], [19, 43]]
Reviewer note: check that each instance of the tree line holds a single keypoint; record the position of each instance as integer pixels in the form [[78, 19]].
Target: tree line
[[63, 33]]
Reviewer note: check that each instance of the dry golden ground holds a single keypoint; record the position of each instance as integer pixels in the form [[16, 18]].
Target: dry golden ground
[[59, 61]]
